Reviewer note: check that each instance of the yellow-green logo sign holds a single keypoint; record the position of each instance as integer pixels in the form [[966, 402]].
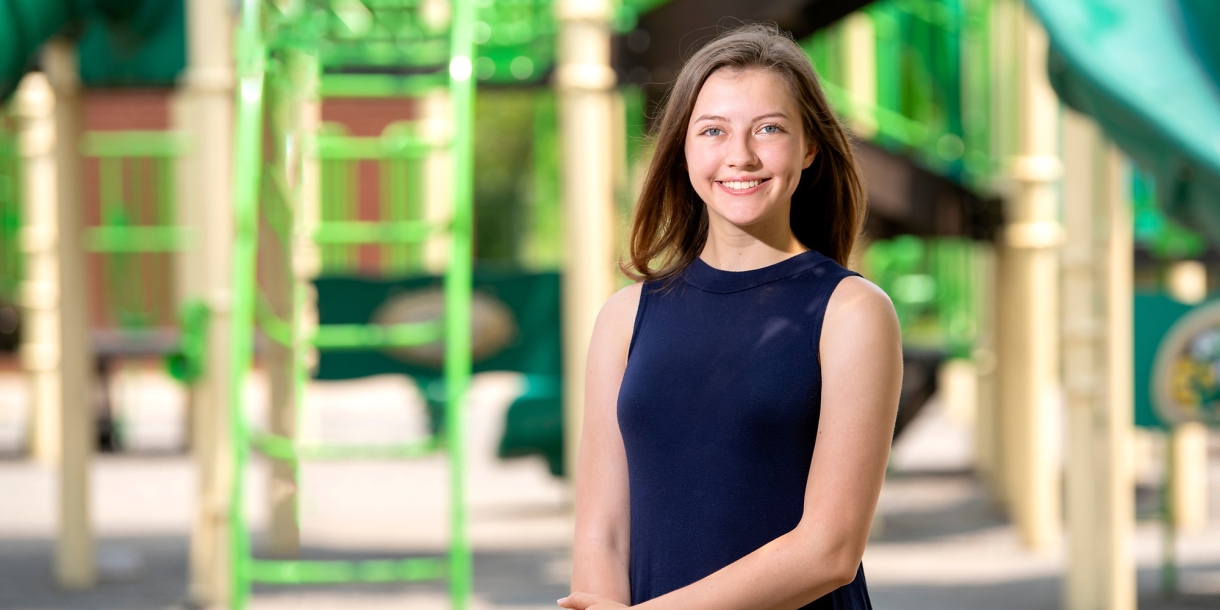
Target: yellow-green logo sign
[[1186, 372]]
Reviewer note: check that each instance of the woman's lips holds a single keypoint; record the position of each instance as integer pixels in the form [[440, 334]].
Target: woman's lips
[[742, 187]]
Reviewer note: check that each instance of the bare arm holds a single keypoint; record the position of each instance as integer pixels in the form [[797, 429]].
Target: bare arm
[[602, 542], [861, 359]]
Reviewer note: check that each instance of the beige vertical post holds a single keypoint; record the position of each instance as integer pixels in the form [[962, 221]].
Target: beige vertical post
[[296, 119], [1028, 351], [1187, 282], [205, 107], [436, 126], [859, 42], [585, 84], [74, 566], [987, 454], [1097, 358], [65, 354], [40, 296]]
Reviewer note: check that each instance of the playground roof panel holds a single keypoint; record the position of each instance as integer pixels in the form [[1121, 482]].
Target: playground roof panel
[[1133, 66]]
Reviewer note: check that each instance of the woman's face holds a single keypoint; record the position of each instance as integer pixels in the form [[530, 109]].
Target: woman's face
[[746, 147]]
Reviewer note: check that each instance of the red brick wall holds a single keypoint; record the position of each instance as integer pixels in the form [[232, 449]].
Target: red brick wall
[[141, 281], [148, 280], [367, 117]]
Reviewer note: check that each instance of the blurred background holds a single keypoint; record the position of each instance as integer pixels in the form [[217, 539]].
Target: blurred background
[[294, 294]]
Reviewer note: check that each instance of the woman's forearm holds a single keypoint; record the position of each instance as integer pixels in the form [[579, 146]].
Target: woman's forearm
[[600, 567], [787, 573]]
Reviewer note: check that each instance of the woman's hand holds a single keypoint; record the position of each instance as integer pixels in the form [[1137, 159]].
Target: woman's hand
[[589, 601]]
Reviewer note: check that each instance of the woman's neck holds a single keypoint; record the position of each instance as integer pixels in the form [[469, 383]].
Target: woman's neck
[[733, 248]]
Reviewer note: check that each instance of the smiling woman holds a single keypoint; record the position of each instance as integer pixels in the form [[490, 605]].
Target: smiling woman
[[740, 399], [757, 68]]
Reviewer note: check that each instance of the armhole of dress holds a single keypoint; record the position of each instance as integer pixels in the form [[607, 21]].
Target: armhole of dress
[[819, 317], [639, 318]]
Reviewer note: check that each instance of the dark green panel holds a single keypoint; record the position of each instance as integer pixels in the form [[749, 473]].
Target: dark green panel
[[534, 423], [146, 48], [24, 26], [1155, 314]]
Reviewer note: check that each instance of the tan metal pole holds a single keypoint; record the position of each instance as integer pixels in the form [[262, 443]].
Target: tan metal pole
[[206, 106], [294, 121], [1028, 308], [1187, 282], [57, 353], [35, 106], [1097, 357], [987, 454], [436, 126], [585, 84], [859, 43]]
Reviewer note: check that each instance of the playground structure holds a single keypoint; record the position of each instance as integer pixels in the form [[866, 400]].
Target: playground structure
[[257, 196]]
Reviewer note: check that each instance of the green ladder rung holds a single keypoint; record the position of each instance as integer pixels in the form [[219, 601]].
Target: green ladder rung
[[362, 232], [295, 572], [376, 336], [137, 239], [352, 336], [382, 85], [118, 144], [283, 449], [375, 148]]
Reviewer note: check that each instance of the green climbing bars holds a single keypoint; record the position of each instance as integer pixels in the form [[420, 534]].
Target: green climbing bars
[[264, 36]]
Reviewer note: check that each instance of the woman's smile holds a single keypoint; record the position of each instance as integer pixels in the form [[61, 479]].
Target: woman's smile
[[742, 187]]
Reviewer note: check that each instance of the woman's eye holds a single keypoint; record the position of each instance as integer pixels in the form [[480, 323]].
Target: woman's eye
[[770, 129], [713, 131]]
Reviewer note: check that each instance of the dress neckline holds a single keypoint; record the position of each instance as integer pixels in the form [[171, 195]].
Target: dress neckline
[[708, 278]]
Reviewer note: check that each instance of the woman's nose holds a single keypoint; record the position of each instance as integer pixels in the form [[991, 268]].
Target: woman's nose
[[741, 152]]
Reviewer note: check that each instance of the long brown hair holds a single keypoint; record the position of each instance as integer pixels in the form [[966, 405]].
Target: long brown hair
[[670, 224]]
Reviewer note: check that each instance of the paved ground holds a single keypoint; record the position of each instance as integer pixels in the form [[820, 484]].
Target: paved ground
[[939, 544]]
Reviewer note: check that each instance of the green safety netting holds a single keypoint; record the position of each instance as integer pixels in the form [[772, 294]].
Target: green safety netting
[[1147, 72]]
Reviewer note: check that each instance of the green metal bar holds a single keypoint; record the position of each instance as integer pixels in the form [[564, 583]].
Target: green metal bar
[[349, 206], [458, 288], [138, 239], [367, 232], [133, 144], [398, 146], [12, 267], [381, 85], [414, 177], [289, 572], [397, 451], [276, 328], [274, 446], [372, 336], [348, 336], [280, 448], [251, 55]]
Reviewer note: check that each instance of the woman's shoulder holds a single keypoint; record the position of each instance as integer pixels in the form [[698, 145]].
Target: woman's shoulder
[[860, 304], [616, 320], [622, 304]]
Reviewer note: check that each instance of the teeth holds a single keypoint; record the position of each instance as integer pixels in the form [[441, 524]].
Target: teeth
[[741, 186]]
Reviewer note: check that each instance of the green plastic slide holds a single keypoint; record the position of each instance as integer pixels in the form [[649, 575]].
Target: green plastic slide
[[1149, 72], [24, 26], [121, 42]]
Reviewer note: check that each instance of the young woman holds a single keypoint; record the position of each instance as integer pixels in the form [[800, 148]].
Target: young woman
[[740, 399]]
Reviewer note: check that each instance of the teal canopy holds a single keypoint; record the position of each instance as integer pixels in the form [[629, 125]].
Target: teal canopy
[[1148, 71]]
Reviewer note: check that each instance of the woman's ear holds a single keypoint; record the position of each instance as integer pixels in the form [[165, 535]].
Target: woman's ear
[[810, 154]]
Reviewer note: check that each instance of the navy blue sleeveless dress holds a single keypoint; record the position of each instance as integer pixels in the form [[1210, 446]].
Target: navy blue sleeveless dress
[[718, 410]]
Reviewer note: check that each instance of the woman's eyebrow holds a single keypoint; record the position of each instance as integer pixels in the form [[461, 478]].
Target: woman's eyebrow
[[770, 115], [715, 117]]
